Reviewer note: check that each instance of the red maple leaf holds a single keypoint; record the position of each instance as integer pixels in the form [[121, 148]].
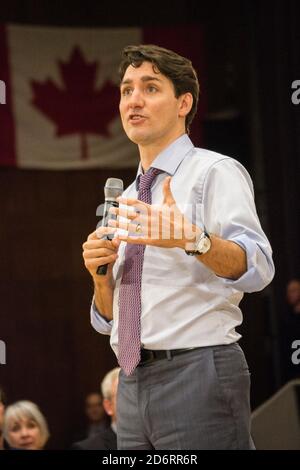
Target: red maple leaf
[[78, 108]]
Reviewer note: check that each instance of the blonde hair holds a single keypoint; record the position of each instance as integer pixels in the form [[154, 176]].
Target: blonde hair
[[107, 382], [26, 409]]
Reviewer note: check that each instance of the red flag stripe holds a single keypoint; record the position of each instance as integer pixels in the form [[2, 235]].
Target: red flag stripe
[[7, 130]]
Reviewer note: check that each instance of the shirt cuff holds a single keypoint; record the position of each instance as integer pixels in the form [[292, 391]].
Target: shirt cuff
[[99, 323], [260, 267]]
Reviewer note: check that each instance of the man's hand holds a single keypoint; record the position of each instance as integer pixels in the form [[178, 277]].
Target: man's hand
[[98, 251], [163, 226]]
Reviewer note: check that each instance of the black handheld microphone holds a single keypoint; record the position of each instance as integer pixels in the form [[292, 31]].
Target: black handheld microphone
[[113, 188]]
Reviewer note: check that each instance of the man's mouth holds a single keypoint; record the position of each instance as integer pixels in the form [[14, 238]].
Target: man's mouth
[[136, 117]]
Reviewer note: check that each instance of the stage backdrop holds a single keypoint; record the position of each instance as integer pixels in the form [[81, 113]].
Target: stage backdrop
[[62, 93]]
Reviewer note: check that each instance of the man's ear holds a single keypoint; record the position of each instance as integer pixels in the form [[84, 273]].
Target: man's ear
[[185, 104], [107, 406]]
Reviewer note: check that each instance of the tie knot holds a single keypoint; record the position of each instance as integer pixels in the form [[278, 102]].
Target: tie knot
[[146, 180]]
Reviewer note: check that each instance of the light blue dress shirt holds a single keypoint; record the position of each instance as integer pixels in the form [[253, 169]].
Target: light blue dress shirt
[[184, 303]]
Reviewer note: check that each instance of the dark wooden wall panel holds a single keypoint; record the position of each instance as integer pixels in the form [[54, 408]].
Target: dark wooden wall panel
[[54, 357]]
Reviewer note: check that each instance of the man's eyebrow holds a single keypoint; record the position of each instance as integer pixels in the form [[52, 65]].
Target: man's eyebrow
[[145, 78]]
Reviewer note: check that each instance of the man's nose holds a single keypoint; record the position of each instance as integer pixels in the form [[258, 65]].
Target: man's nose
[[136, 99]]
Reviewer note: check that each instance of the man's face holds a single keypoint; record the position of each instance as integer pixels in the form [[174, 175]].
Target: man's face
[[149, 110], [93, 407]]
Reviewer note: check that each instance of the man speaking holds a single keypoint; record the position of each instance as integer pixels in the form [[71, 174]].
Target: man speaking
[[192, 246]]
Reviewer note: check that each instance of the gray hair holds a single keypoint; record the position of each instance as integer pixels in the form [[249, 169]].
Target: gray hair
[[29, 410], [107, 382]]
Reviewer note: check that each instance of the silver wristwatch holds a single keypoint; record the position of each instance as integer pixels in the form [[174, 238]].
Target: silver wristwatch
[[201, 245]]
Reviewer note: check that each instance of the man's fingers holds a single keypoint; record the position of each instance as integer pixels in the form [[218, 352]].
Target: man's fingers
[[93, 263], [116, 242], [96, 244], [98, 253], [130, 227], [128, 201], [132, 205], [93, 236], [124, 212], [100, 232], [139, 239], [138, 219]]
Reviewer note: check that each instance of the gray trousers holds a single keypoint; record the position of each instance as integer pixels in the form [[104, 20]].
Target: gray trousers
[[196, 400]]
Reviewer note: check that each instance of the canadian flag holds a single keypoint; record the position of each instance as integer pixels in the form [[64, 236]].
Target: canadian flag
[[61, 93]]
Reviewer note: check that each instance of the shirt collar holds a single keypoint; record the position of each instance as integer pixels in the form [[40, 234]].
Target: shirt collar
[[170, 158]]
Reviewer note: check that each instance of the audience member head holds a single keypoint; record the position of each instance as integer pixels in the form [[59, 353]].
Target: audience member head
[[94, 408], [109, 387], [293, 294], [2, 406], [25, 427]]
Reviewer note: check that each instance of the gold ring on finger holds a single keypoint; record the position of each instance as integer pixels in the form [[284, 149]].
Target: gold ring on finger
[[138, 228]]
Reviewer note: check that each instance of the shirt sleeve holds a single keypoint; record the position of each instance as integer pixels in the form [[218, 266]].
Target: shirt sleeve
[[99, 323], [230, 213]]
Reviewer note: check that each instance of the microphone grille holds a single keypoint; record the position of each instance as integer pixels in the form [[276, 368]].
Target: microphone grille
[[113, 188]]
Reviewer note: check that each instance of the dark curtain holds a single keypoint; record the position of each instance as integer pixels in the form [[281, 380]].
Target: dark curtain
[[275, 39]]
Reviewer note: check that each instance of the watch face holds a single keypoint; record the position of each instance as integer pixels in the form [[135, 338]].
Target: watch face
[[200, 247], [204, 245], [207, 244]]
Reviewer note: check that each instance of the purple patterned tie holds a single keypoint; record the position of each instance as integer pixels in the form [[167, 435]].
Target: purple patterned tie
[[129, 330]]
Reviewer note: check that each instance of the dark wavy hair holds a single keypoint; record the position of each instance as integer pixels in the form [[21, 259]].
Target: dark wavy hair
[[177, 68]]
